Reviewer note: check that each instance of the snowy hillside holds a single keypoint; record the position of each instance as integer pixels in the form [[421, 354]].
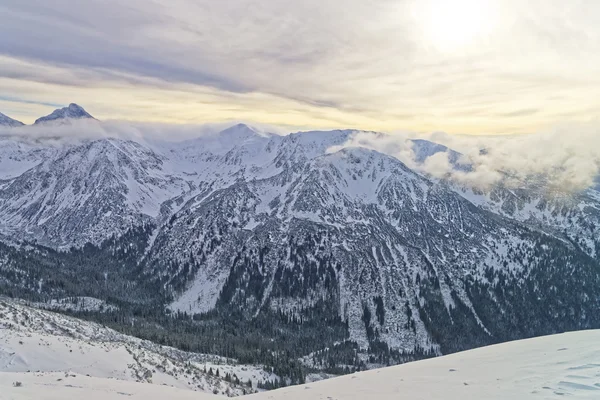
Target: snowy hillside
[[18, 155], [87, 192], [542, 368], [9, 122], [33, 340], [55, 386], [545, 367]]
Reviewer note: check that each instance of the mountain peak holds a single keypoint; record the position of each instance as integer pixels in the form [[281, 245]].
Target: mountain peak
[[242, 126], [7, 121], [238, 128], [72, 111], [76, 108], [241, 132]]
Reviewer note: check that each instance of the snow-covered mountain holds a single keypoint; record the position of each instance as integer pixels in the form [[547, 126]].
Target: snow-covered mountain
[[361, 232], [17, 155], [545, 367], [9, 122], [243, 224], [574, 216], [72, 111], [88, 192]]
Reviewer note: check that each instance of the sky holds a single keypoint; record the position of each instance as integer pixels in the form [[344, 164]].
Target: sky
[[458, 66]]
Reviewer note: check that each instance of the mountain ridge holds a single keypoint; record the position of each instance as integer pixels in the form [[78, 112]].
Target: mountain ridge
[[9, 122]]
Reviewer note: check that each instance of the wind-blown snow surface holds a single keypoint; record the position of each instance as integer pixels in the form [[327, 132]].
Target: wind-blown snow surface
[[33, 340], [542, 368]]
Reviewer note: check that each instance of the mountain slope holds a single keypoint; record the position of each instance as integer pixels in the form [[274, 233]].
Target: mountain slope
[[546, 367], [17, 155], [424, 149], [9, 122], [88, 192], [366, 235], [574, 216]]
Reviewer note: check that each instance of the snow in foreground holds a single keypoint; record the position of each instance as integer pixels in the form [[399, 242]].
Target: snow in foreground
[[541, 368], [54, 386], [44, 342]]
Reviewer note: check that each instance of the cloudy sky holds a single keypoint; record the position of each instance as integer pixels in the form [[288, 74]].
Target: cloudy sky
[[461, 66]]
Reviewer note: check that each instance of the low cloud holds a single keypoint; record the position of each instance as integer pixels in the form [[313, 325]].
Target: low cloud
[[86, 129], [565, 158]]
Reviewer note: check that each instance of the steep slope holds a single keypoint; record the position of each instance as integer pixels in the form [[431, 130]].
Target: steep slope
[[236, 153], [574, 216], [72, 111], [356, 233], [18, 154], [9, 122], [87, 193], [535, 200]]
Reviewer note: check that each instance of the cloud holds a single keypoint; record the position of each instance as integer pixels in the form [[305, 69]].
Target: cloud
[[566, 157], [87, 129], [316, 62], [520, 113]]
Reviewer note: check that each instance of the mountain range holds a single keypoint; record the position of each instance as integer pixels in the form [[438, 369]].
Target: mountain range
[[338, 258], [61, 115]]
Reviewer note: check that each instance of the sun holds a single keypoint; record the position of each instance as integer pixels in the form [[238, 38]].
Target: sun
[[452, 25]]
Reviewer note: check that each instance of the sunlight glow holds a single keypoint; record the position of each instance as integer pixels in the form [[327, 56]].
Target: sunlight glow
[[452, 25]]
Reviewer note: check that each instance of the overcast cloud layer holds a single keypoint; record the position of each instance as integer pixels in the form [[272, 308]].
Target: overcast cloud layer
[[382, 65]]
